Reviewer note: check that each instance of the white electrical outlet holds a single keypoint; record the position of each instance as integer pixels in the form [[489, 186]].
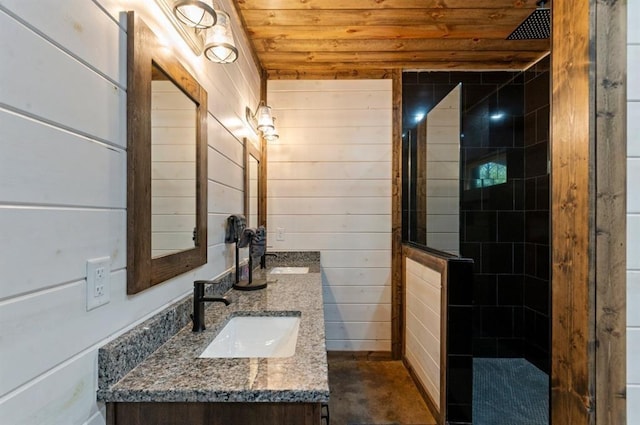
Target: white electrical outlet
[[98, 282], [280, 233]]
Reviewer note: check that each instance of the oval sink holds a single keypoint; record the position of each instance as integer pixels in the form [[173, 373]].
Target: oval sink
[[255, 336], [290, 270]]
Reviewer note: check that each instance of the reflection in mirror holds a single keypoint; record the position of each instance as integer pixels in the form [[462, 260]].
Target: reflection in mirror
[[432, 160], [252, 218], [173, 167]]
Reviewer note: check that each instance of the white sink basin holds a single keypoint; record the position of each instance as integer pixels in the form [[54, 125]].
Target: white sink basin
[[255, 336], [290, 270]]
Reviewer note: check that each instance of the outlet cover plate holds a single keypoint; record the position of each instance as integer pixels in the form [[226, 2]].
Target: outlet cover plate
[[98, 282]]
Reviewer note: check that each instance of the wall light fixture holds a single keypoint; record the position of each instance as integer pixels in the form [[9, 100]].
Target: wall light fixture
[[204, 26], [262, 121]]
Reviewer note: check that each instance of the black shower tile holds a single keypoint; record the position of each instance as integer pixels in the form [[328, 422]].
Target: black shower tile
[[535, 160], [537, 92], [497, 322], [473, 251], [543, 263], [518, 258], [542, 124], [536, 294], [511, 99], [461, 283], [460, 382], [537, 227], [530, 128], [498, 197], [409, 78], [542, 192], [480, 226], [510, 347], [515, 163], [485, 347], [474, 93], [518, 194], [485, 290], [510, 290], [497, 258], [465, 77], [460, 322], [530, 259], [537, 356], [531, 194], [433, 77], [510, 226], [459, 414]]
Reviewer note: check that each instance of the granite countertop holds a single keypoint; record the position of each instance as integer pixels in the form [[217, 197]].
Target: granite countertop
[[174, 373]]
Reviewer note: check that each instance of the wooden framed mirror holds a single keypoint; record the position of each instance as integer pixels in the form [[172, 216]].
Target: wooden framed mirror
[[252, 177], [166, 163]]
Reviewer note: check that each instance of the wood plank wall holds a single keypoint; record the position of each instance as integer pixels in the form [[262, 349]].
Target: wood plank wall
[[588, 227], [330, 190], [63, 194], [633, 213]]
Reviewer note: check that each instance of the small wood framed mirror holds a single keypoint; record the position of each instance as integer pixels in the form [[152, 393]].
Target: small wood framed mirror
[[252, 180], [166, 163]]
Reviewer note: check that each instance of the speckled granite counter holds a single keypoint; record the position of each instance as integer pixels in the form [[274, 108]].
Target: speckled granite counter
[[174, 373]]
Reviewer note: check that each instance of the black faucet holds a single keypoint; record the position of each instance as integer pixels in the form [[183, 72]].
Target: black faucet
[[263, 259], [198, 303]]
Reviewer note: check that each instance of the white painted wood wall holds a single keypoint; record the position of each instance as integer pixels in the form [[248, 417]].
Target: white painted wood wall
[[329, 188], [443, 174], [424, 294], [633, 214], [63, 193]]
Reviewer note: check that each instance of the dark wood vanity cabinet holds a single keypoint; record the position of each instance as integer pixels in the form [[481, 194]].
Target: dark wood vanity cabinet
[[214, 413]]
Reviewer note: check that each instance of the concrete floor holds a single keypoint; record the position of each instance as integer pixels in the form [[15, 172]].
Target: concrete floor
[[374, 393]]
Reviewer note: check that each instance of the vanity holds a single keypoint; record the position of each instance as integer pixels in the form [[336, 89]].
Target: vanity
[[174, 385]]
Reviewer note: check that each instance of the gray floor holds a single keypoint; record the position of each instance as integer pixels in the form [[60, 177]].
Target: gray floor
[[374, 393], [509, 391]]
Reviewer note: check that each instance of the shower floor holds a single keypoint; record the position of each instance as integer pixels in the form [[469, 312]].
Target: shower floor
[[509, 391]]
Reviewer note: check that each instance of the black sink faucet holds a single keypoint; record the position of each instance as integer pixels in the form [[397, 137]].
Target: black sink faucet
[[263, 259], [198, 303]]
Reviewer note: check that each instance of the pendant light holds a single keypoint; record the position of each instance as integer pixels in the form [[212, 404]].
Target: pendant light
[[198, 14], [220, 46]]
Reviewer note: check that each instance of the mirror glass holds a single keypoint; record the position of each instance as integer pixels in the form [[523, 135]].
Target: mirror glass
[[252, 218], [432, 160], [173, 167]]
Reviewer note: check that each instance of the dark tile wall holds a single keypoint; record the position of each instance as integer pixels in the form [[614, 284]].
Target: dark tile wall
[[537, 219]]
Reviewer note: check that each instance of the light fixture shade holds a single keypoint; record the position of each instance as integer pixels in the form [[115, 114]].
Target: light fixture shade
[[195, 13], [264, 118], [219, 46], [271, 135]]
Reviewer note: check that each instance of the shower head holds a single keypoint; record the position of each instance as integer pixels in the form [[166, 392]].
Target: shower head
[[536, 26]]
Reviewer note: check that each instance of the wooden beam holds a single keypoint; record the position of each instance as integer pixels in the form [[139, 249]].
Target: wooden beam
[[320, 74], [397, 287], [287, 58], [426, 66], [572, 212], [383, 4], [510, 16], [382, 32], [457, 45]]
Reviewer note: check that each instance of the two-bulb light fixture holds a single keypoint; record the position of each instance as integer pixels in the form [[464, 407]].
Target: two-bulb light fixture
[[263, 121], [203, 15]]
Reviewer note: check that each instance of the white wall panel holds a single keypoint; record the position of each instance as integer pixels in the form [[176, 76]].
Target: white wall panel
[[63, 193], [330, 190], [424, 297]]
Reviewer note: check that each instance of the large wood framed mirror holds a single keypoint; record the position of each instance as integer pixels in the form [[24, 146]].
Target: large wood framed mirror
[[166, 163]]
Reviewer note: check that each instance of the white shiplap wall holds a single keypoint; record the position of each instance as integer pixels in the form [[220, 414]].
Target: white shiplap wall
[[424, 295], [330, 190], [63, 193], [633, 214]]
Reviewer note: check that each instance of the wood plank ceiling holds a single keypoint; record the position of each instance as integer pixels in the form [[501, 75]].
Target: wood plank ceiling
[[369, 38]]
